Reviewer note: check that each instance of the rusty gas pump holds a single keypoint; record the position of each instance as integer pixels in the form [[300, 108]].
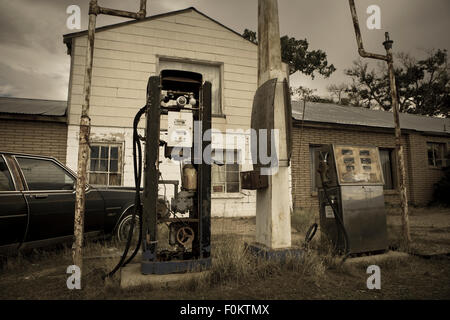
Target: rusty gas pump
[[186, 101]]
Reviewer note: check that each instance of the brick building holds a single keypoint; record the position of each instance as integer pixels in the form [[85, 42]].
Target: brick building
[[426, 144], [33, 126]]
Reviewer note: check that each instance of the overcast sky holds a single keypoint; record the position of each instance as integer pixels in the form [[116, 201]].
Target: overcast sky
[[34, 63]]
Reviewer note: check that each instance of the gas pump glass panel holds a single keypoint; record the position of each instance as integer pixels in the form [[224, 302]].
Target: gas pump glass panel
[[180, 89], [358, 165]]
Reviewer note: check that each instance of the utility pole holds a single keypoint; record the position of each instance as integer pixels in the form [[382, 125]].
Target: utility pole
[[400, 160], [85, 123], [273, 220]]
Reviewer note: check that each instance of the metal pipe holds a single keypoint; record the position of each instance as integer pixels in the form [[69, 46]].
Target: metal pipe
[[359, 41], [142, 9], [398, 142], [119, 13], [400, 161]]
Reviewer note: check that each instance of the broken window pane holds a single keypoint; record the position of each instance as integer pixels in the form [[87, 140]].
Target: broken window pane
[[94, 152], [115, 179], [104, 152], [103, 165], [98, 178], [114, 153], [113, 165]]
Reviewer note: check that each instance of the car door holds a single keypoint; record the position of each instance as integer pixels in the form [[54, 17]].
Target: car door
[[50, 196], [51, 199], [13, 208]]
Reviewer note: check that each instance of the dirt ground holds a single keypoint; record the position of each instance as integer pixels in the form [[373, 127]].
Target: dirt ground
[[423, 275]]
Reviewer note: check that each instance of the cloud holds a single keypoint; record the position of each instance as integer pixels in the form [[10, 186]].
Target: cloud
[[34, 63], [7, 90], [32, 84]]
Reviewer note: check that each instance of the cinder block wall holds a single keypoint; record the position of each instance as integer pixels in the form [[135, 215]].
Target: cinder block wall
[[34, 137]]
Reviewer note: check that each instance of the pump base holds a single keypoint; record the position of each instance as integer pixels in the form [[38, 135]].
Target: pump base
[[131, 276], [175, 266]]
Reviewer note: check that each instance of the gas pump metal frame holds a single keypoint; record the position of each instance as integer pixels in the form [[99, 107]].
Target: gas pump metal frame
[[359, 204], [153, 262]]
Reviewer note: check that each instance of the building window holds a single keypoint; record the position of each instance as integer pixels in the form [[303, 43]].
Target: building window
[[314, 174], [436, 154], [225, 178], [210, 72], [105, 165], [386, 159]]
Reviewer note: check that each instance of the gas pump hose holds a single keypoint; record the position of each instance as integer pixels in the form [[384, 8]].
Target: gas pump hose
[[339, 222], [310, 234], [137, 161]]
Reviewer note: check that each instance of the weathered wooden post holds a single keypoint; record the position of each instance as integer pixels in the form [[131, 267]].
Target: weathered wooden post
[[85, 123], [400, 161], [273, 218], [83, 149]]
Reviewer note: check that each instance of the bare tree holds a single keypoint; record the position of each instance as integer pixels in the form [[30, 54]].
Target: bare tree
[[338, 90]]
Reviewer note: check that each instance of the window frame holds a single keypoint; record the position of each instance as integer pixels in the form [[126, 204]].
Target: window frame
[[236, 157], [443, 158], [392, 167], [120, 164], [220, 65]]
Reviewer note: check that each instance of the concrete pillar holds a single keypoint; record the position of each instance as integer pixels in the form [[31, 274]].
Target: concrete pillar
[[273, 219]]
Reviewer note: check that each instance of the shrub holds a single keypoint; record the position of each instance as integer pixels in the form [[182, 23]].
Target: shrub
[[441, 189]]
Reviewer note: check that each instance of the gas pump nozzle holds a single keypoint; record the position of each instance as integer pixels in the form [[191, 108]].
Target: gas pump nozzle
[[324, 168]]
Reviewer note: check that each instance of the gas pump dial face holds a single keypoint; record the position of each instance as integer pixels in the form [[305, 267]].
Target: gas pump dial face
[[358, 165]]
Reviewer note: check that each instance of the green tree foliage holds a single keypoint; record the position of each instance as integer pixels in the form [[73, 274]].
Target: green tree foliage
[[296, 54], [423, 86], [250, 35]]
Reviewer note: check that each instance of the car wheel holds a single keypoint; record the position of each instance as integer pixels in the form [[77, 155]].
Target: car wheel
[[123, 228]]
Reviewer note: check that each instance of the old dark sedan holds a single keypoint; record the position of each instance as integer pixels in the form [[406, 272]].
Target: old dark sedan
[[37, 201]]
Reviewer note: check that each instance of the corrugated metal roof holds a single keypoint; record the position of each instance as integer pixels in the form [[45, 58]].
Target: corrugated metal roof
[[54, 108], [333, 113]]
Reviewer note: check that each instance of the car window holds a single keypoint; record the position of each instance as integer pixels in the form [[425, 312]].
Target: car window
[[6, 183], [41, 174]]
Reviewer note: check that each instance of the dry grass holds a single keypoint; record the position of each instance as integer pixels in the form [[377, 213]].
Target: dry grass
[[303, 218], [233, 265], [235, 273]]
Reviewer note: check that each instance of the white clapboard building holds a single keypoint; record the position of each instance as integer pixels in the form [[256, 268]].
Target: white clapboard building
[[125, 56]]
